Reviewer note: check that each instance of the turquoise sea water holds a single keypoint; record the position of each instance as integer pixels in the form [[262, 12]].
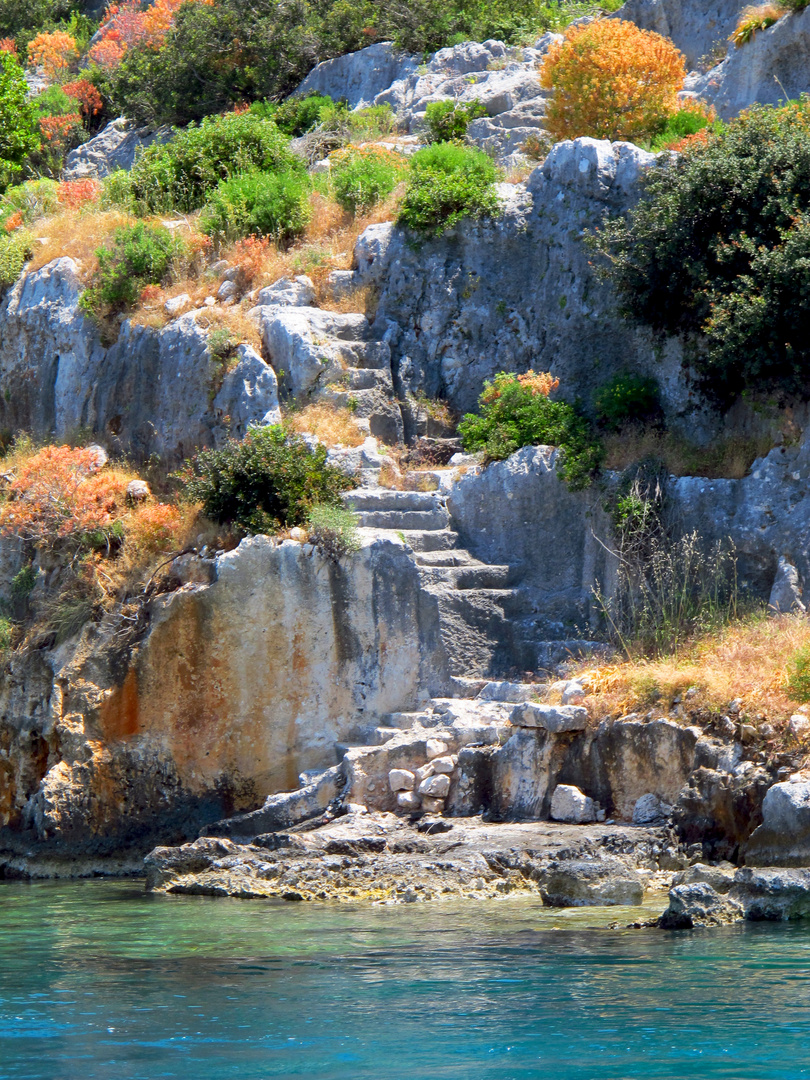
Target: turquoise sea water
[[100, 981]]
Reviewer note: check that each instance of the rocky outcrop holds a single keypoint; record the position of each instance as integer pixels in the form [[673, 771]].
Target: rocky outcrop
[[695, 26], [380, 857], [519, 290], [767, 895], [359, 77], [771, 67], [115, 147], [234, 688], [153, 392]]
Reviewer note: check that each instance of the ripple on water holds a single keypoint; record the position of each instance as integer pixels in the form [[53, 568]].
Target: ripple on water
[[99, 980]]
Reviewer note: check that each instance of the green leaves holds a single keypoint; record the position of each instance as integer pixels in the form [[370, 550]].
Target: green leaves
[[718, 251], [140, 255], [18, 130], [269, 480], [448, 182]]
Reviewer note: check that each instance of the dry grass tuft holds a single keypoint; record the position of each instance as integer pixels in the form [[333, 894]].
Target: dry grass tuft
[[332, 425], [76, 234], [748, 660]]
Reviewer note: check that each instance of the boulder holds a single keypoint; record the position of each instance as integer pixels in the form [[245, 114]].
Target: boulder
[[772, 894], [401, 780], [248, 394], [721, 878], [436, 787], [650, 809], [697, 904], [359, 77], [287, 292], [285, 810], [115, 147], [571, 805], [553, 718], [589, 882], [783, 838]]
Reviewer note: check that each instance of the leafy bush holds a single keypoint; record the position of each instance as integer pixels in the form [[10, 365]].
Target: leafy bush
[[181, 174], [15, 250], [362, 177], [627, 399], [25, 17], [296, 116], [18, 132], [141, 255], [261, 204], [447, 121], [269, 480], [682, 125], [333, 530], [797, 682], [24, 203], [515, 411], [59, 497], [611, 81], [446, 183], [754, 18], [717, 250], [54, 52]]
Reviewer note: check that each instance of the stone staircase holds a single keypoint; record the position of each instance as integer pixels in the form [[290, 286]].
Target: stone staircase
[[489, 623]]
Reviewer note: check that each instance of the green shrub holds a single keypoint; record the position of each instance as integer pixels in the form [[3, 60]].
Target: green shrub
[[181, 174], [447, 121], [717, 250], [6, 634], [362, 177], [141, 255], [116, 190], [269, 480], [333, 530], [513, 414], [297, 116], [18, 129], [15, 250], [797, 683], [33, 199], [446, 183], [683, 123], [261, 204], [53, 101], [24, 18], [627, 399]]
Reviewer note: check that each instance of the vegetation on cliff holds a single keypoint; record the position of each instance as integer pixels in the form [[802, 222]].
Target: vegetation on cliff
[[716, 251]]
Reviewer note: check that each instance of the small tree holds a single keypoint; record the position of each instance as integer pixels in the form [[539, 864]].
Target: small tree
[[18, 128], [611, 81]]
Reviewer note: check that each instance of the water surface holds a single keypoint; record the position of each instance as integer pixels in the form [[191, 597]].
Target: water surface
[[99, 981]]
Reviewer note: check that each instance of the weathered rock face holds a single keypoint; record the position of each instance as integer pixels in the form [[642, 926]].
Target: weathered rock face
[[115, 147], [152, 392], [360, 76], [756, 895], [519, 291], [695, 26], [772, 67], [783, 838], [234, 689]]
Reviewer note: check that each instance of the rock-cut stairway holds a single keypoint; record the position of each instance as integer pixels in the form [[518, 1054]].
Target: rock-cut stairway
[[485, 619]]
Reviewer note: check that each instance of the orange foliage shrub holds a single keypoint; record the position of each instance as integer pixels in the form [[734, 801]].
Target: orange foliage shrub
[[87, 95], [155, 528], [539, 382], [59, 495], [60, 132], [9, 45], [53, 52], [75, 193], [611, 81], [250, 254], [126, 24], [13, 221]]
